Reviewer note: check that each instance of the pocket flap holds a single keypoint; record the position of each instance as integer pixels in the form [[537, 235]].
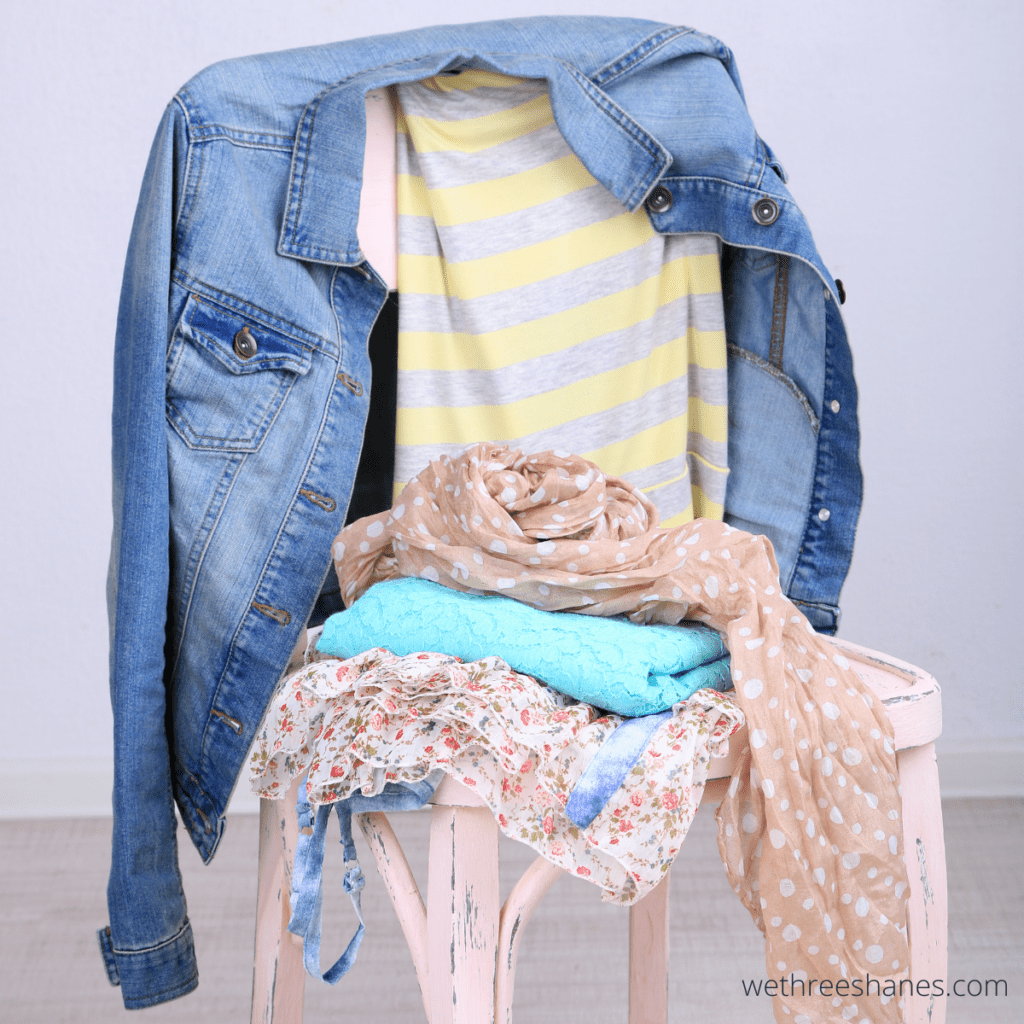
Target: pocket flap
[[215, 329]]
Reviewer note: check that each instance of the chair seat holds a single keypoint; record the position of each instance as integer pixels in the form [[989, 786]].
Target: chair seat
[[464, 945]]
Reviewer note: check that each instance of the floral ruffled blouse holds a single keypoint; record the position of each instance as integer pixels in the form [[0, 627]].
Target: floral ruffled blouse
[[355, 725]]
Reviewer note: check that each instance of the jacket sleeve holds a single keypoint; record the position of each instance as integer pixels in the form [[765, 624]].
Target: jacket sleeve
[[148, 947]]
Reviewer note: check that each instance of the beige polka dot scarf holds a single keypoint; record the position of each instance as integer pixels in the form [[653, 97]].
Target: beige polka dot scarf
[[810, 830]]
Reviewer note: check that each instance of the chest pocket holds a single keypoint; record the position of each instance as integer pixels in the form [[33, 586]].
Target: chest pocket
[[228, 376]]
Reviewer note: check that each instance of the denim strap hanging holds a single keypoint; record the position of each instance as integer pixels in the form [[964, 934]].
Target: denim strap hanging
[[307, 870], [307, 886], [610, 766]]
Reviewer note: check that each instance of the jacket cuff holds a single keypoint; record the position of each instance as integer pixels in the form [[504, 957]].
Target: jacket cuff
[[822, 616], [154, 975]]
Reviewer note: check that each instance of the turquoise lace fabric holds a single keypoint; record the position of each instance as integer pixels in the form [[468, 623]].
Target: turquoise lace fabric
[[623, 667]]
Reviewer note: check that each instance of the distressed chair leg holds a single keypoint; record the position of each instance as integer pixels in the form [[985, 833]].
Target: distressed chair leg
[[925, 853], [519, 906], [648, 957], [394, 869], [462, 914], [278, 976]]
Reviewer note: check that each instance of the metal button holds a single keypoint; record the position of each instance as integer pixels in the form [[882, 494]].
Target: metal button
[[659, 200], [834, 405], [245, 344], [841, 290], [766, 211], [828, 295], [824, 514]]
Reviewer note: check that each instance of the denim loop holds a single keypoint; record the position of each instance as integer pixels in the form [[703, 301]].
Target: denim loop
[[307, 869], [307, 887]]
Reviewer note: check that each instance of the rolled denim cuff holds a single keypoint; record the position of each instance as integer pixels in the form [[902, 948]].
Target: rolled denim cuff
[[154, 975]]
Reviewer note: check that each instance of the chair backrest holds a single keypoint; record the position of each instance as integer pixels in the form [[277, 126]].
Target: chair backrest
[[377, 229]]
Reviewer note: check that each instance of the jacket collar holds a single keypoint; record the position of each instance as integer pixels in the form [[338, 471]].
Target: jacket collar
[[322, 201]]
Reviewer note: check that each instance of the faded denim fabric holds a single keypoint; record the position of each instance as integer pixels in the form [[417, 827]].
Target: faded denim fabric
[[611, 764], [233, 462], [307, 871]]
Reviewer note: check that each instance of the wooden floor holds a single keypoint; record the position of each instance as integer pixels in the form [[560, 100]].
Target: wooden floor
[[572, 964]]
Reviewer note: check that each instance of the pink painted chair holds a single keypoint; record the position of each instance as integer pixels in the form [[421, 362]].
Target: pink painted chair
[[462, 942]]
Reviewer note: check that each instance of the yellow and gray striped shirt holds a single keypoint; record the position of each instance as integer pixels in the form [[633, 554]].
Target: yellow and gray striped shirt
[[536, 310]]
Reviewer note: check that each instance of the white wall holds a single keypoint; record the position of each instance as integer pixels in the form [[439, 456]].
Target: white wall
[[900, 127]]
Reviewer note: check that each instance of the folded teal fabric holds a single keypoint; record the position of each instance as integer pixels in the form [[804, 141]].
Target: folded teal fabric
[[612, 663]]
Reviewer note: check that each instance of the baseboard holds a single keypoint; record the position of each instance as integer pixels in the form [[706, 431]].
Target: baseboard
[[80, 787], [75, 788], [981, 767]]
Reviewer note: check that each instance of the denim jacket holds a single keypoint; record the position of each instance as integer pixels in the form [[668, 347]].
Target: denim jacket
[[241, 386]]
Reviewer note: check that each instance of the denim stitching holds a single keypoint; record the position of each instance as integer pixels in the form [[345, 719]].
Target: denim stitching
[[631, 58], [785, 380], [195, 560], [302, 143], [337, 323], [243, 446], [613, 111], [813, 526], [187, 926], [265, 147], [780, 302], [190, 188], [214, 130], [190, 106], [305, 130], [278, 325], [302, 135], [629, 127], [176, 227], [301, 153], [281, 530]]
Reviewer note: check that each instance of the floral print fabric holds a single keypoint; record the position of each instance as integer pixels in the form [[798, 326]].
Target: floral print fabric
[[355, 725], [810, 830]]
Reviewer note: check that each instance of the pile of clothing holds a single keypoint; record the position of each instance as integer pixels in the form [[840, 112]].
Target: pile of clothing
[[810, 829]]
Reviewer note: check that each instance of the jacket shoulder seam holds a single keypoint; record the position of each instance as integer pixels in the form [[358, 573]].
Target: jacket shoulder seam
[[625, 62], [242, 137], [188, 164], [189, 191]]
